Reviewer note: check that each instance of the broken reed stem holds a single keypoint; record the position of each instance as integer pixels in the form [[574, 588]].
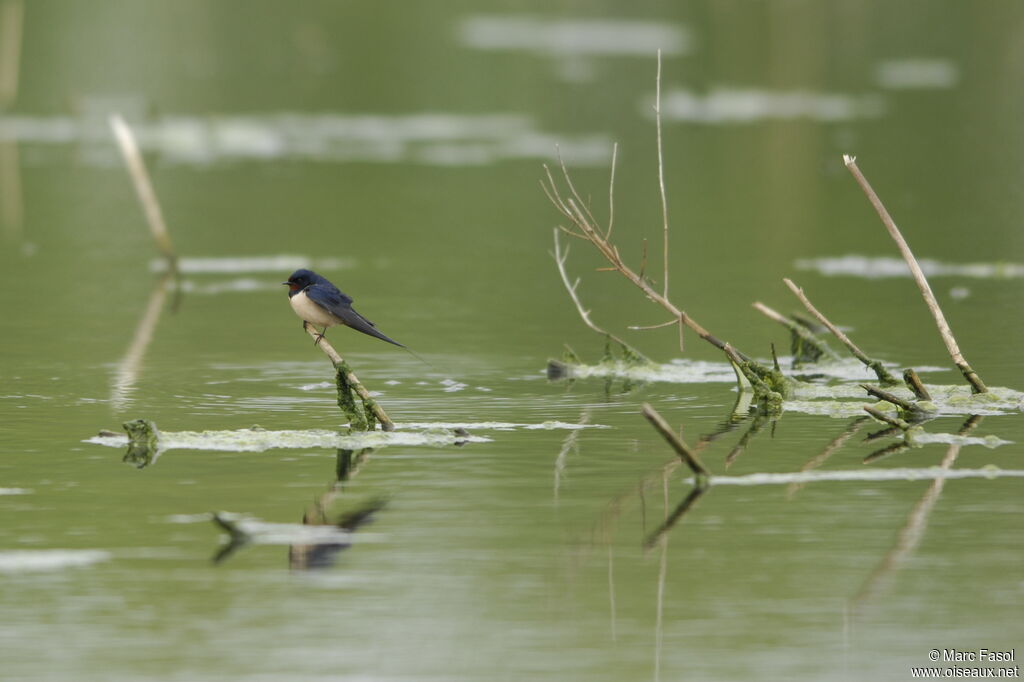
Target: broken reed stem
[[805, 335], [143, 187], [915, 384], [347, 376], [977, 386], [884, 377], [12, 14], [676, 442], [560, 258]]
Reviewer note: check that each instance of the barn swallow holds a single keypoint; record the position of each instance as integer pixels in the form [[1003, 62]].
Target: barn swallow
[[321, 304]]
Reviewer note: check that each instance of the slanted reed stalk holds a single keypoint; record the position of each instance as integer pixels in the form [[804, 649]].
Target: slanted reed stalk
[[12, 14], [884, 377], [143, 187], [810, 342], [685, 453], [977, 386], [347, 381]]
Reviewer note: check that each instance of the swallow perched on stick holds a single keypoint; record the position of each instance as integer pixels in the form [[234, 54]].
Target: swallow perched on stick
[[321, 304]]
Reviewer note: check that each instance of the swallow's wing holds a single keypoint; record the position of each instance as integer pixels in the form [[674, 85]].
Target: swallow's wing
[[340, 305], [329, 298]]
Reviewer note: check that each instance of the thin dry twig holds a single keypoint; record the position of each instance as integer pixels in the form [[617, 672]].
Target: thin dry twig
[[611, 192], [977, 386], [143, 187], [653, 326], [585, 228], [661, 178], [884, 377], [560, 258]]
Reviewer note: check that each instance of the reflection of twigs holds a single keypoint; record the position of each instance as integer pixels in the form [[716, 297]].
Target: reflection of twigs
[[670, 521], [569, 445], [819, 459], [922, 282], [12, 207], [143, 187], [884, 377], [237, 538], [128, 368], [560, 258], [913, 530], [755, 428], [12, 14], [345, 375]]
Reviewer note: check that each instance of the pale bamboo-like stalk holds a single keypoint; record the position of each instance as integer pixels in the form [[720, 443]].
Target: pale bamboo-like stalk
[[12, 25], [977, 386], [341, 366], [884, 377], [143, 187]]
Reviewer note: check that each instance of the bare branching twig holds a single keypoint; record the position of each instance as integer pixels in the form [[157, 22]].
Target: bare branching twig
[[560, 258]]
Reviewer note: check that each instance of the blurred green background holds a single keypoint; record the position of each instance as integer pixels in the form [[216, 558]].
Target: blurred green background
[[397, 148]]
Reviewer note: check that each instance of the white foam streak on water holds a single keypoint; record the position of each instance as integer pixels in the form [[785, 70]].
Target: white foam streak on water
[[562, 37], [917, 74], [870, 267], [928, 474], [734, 105], [277, 263], [249, 440], [26, 560], [431, 138]]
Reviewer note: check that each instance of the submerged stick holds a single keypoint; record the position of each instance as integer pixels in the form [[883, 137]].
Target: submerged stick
[[907, 408], [143, 187], [977, 386], [348, 380], [883, 417], [684, 452], [884, 377]]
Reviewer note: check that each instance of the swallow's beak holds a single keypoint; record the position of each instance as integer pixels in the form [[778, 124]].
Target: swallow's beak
[[286, 283]]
